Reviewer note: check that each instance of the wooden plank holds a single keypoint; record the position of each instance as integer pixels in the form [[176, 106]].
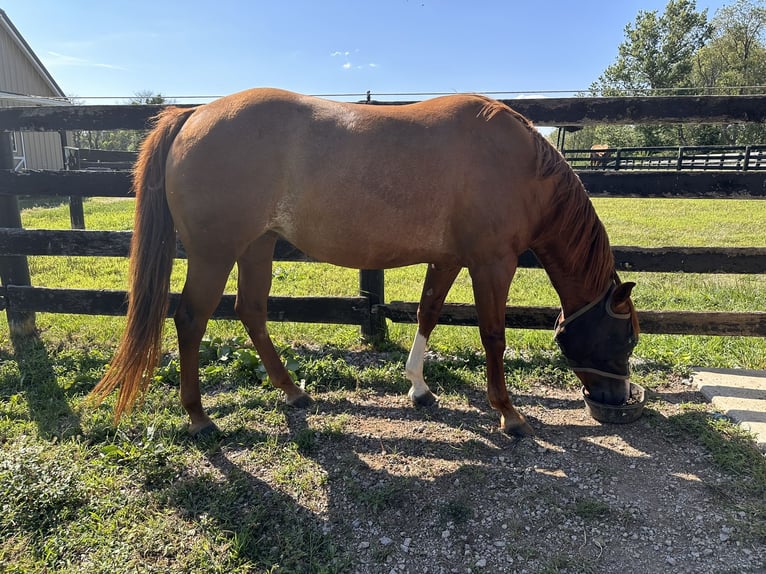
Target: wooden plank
[[721, 323], [752, 324], [334, 310], [730, 184], [67, 118], [644, 110], [75, 243], [746, 260], [543, 111], [66, 183], [689, 184]]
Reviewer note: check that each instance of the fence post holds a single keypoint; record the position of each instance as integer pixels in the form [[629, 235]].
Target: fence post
[[14, 270], [76, 213], [372, 286]]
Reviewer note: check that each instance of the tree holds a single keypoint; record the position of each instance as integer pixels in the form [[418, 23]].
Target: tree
[[733, 62], [658, 51], [127, 140], [680, 52], [657, 56]]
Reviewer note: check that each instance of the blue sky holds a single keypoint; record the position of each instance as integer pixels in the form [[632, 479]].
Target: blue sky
[[114, 49]]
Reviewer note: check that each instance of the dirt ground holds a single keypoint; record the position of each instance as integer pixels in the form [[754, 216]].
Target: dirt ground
[[441, 490]]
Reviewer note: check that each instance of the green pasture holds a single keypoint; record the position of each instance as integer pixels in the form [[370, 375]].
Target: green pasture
[[78, 494]]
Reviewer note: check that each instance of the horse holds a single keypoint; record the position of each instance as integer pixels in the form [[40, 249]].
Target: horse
[[600, 154], [456, 181]]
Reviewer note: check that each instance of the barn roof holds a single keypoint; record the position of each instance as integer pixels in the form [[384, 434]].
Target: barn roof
[[37, 65]]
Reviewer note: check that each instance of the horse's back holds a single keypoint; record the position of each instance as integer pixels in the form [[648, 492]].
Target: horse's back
[[353, 184]]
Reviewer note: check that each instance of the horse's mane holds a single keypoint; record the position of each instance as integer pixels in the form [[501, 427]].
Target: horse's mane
[[572, 214]]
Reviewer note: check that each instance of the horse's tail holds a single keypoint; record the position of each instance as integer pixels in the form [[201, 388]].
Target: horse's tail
[[152, 250]]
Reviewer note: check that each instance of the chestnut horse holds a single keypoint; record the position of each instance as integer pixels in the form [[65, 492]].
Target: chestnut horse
[[457, 181]]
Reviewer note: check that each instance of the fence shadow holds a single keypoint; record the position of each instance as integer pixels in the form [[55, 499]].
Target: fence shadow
[[46, 400]]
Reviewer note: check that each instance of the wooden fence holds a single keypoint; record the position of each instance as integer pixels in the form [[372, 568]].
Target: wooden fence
[[369, 310]]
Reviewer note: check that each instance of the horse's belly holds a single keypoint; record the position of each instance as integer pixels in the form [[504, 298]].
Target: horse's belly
[[376, 244]]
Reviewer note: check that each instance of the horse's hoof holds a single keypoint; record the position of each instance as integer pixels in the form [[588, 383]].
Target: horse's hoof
[[519, 429], [302, 401], [203, 431], [427, 399]]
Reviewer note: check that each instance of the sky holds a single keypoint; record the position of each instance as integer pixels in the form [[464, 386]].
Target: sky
[[111, 50]]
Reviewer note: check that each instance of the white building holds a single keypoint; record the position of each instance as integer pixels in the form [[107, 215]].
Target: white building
[[24, 81]]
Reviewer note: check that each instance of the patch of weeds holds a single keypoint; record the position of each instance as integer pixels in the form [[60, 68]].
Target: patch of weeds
[[651, 374], [334, 426], [247, 513], [524, 369], [389, 377], [458, 511], [448, 377], [561, 564], [382, 496], [38, 488], [305, 440], [77, 369], [232, 359], [168, 372], [590, 509], [469, 473], [382, 552], [148, 457], [326, 374]]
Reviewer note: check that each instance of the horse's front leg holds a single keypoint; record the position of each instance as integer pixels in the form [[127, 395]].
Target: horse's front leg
[[435, 288], [490, 287]]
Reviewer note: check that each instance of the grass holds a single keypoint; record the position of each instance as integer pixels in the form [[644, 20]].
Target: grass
[[78, 494]]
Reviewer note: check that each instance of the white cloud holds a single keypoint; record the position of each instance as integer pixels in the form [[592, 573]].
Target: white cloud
[[348, 64], [55, 59]]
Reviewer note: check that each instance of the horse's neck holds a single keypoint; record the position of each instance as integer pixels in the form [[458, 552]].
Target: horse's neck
[[574, 281]]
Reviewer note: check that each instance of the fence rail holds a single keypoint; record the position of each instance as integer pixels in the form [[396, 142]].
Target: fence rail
[[369, 310]]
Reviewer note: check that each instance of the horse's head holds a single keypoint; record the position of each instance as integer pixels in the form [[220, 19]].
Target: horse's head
[[597, 341]]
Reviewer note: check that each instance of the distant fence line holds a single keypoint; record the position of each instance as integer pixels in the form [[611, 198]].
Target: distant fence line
[[678, 158], [370, 310]]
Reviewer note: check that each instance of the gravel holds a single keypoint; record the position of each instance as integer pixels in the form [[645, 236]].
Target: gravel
[[441, 490]]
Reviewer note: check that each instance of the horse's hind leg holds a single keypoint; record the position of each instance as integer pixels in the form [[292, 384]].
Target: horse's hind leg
[[254, 284], [435, 288], [205, 281]]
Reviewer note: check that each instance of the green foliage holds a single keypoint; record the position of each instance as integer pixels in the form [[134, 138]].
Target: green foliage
[[38, 488], [681, 52], [591, 509], [658, 50]]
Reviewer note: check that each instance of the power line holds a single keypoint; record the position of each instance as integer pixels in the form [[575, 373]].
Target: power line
[[698, 90]]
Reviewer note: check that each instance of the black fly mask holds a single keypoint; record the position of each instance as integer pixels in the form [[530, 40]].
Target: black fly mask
[[597, 340]]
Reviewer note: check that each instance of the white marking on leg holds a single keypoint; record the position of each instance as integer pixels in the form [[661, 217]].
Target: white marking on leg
[[414, 367]]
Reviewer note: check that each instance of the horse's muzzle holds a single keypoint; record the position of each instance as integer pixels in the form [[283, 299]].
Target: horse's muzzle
[[605, 390]]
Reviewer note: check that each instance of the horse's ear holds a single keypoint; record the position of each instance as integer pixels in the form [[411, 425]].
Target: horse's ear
[[621, 297]]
